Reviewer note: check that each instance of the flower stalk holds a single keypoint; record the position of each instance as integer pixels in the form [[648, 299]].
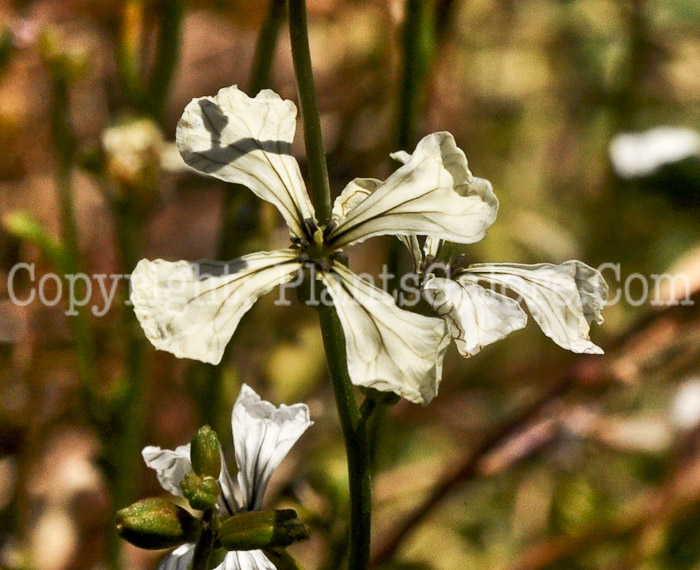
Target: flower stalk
[[354, 429], [319, 187], [355, 434]]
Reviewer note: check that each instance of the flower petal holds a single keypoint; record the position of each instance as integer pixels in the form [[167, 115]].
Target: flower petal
[[178, 559], [388, 348], [564, 299], [246, 560], [170, 466], [432, 194], [476, 316], [262, 437], [351, 196], [193, 308], [248, 141]]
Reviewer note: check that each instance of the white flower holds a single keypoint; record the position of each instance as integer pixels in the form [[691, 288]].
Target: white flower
[[193, 309], [634, 155], [262, 436], [564, 299]]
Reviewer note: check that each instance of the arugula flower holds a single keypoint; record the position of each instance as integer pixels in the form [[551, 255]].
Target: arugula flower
[[262, 435], [563, 299], [193, 308]]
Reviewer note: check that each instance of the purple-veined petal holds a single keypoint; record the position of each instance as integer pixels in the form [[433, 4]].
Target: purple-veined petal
[[246, 560], [432, 194], [192, 309], [476, 316], [248, 141], [564, 299], [388, 349], [178, 559], [170, 465], [263, 435]]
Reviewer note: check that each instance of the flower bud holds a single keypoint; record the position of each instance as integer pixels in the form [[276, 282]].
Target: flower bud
[[201, 492], [261, 529], [205, 453], [156, 523]]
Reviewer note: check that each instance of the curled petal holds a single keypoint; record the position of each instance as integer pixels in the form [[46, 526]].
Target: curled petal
[[248, 141], [432, 194], [170, 466], [246, 560], [351, 196], [388, 348], [564, 299], [262, 437], [476, 316], [193, 308], [178, 559]]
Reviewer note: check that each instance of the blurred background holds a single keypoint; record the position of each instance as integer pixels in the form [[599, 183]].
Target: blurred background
[[530, 457]]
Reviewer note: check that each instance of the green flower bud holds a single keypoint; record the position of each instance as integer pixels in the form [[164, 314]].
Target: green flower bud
[[205, 453], [261, 529], [201, 492], [156, 523]]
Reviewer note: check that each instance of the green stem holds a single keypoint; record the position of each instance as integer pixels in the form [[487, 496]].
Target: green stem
[[417, 54], [169, 36], [129, 50], [127, 434], [265, 47], [313, 138], [64, 141], [353, 424], [205, 544]]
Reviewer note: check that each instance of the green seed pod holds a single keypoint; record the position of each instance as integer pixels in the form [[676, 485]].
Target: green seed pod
[[205, 453], [201, 492], [156, 523], [261, 529]]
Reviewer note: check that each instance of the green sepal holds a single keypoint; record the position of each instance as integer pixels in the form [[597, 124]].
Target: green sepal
[[261, 529], [384, 398], [201, 492], [156, 523], [205, 453]]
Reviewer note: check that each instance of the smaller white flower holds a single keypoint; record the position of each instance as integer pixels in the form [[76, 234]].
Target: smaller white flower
[[634, 155], [263, 435]]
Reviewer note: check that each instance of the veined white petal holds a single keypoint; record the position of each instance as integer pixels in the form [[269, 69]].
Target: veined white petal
[[249, 142], [193, 308], [476, 316], [387, 348], [564, 299], [170, 466], [262, 437], [246, 560], [354, 193], [178, 559], [432, 194]]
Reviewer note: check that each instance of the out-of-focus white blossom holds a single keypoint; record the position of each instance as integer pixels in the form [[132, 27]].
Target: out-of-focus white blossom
[[634, 155]]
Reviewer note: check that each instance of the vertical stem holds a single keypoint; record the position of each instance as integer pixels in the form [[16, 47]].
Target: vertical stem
[[129, 52], [354, 429], [265, 47], [416, 55], [168, 50], [62, 135], [205, 544], [355, 435], [313, 138]]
